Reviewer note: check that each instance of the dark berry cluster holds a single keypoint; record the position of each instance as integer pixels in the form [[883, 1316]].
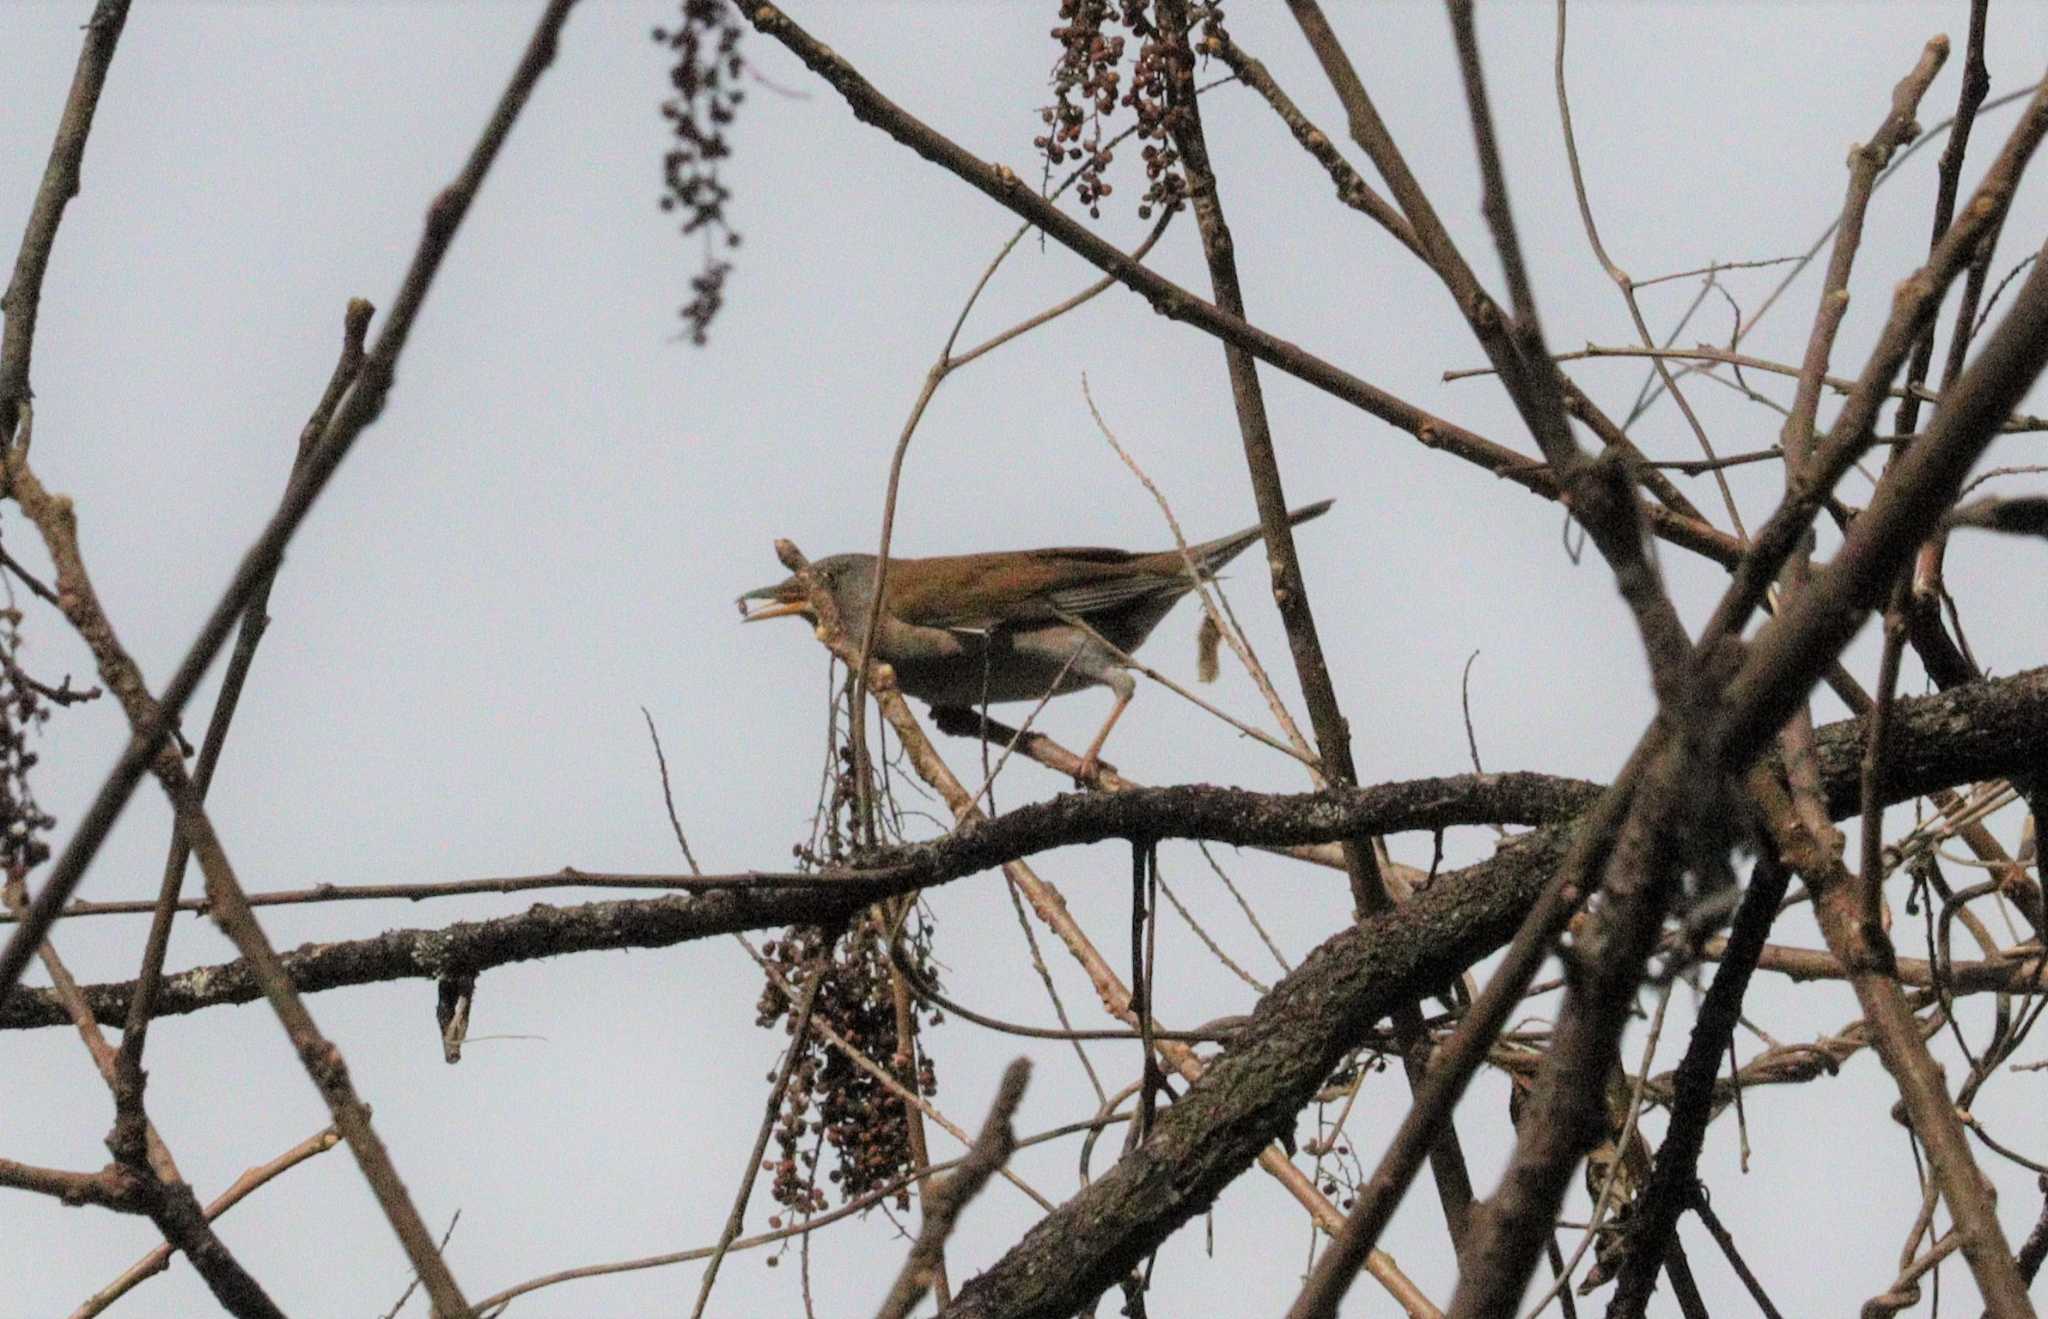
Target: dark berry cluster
[[1085, 79], [706, 98], [24, 826], [1088, 82], [833, 1102]]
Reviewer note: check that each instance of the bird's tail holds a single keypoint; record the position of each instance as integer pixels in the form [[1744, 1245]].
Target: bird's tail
[[1210, 556]]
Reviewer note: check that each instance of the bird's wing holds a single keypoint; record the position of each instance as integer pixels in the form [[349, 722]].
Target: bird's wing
[[1106, 594], [979, 592], [1089, 583]]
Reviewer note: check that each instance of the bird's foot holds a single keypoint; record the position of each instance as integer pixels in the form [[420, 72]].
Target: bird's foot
[[1088, 773]]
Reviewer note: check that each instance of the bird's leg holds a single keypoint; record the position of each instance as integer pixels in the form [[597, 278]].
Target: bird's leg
[[1091, 761]]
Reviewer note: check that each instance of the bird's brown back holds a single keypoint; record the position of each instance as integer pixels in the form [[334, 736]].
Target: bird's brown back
[[983, 590]]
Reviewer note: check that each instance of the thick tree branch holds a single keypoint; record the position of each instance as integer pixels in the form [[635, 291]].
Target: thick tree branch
[[1968, 735], [1290, 1043], [1665, 832], [112, 1187]]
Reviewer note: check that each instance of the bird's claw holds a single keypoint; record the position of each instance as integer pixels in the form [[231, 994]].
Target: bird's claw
[[1088, 773]]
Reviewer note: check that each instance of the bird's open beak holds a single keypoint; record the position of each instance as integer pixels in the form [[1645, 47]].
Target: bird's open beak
[[787, 599]]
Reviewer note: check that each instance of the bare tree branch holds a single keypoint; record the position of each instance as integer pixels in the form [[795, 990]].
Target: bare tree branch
[[1971, 734], [944, 1202], [1177, 303], [358, 410], [23, 300]]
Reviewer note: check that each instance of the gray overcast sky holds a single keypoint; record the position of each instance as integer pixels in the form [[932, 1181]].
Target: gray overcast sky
[[548, 526]]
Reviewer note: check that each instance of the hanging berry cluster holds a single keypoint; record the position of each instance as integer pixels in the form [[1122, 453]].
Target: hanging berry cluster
[[1088, 82], [24, 707], [705, 80], [833, 1103]]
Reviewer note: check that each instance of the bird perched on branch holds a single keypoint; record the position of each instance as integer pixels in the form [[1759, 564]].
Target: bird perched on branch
[[963, 630]]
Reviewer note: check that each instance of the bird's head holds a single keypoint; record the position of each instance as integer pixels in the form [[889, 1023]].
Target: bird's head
[[849, 577]]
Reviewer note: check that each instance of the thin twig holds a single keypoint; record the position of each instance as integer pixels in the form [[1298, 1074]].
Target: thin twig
[[413, 1285], [159, 1259], [1131, 661], [799, 1041], [494, 1304], [23, 300], [1704, 352], [129, 1078], [1626, 283], [1712, 1221], [1226, 627], [1716, 267], [944, 366], [667, 797]]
